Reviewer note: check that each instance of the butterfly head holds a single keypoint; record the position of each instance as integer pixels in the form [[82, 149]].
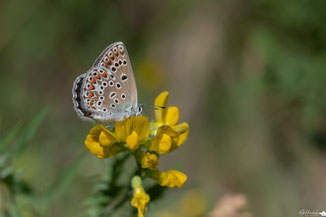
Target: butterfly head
[[139, 109]]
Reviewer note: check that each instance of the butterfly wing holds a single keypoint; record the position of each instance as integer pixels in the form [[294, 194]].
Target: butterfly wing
[[99, 95], [115, 58], [76, 98]]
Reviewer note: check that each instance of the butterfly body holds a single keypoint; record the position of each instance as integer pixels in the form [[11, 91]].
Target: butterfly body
[[107, 91]]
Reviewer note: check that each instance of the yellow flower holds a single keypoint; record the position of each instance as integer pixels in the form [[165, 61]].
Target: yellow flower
[[140, 198], [149, 161], [169, 138], [169, 116], [132, 130], [101, 142], [169, 179]]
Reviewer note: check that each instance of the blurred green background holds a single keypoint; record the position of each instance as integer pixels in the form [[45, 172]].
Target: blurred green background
[[248, 76]]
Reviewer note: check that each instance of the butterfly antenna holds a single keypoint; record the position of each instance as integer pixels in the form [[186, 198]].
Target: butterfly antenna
[[156, 107]]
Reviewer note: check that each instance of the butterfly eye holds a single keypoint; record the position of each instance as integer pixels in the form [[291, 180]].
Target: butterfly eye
[[114, 69], [116, 101], [94, 74], [90, 78], [120, 62], [99, 103], [115, 50], [105, 84], [120, 48], [106, 59], [112, 77], [118, 85], [112, 105], [101, 97], [100, 92], [111, 83], [104, 109], [123, 96], [124, 62], [101, 87]]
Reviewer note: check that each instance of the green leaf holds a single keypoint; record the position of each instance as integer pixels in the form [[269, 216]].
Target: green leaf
[[10, 137], [29, 132]]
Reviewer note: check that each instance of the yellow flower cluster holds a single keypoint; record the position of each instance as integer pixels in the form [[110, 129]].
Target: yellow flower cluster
[[146, 141]]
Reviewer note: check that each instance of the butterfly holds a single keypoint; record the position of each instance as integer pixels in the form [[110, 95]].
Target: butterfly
[[107, 91]]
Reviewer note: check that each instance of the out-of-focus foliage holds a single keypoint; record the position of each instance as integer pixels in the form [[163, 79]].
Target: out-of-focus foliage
[[17, 197], [249, 76]]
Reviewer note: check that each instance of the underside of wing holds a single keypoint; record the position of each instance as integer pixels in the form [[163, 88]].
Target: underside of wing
[[115, 58], [102, 96]]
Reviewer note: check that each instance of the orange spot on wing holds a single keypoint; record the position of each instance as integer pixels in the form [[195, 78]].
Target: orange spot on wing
[[104, 74], [90, 95], [93, 81], [98, 76], [91, 87]]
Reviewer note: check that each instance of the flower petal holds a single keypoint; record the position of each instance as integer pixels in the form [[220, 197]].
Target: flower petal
[[171, 116], [102, 151], [164, 144], [122, 129], [163, 141], [101, 142], [162, 101], [172, 178], [183, 130], [94, 147], [96, 130], [107, 138], [139, 124], [133, 141]]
